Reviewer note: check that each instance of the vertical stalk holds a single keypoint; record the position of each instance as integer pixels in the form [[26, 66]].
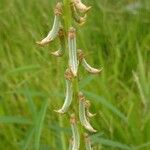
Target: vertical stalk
[[63, 141], [67, 14], [68, 24], [75, 95]]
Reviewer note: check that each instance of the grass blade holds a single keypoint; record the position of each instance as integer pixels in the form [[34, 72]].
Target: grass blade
[[39, 124], [28, 139], [14, 119], [30, 101], [24, 69], [112, 143]]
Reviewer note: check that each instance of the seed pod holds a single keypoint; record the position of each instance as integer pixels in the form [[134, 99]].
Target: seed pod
[[84, 63], [73, 62], [80, 20], [87, 142], [89, 68], [69, 92], [76, 136], [87, 105], [56, 25], [61, 50], [70, 144], [82, 8], [82, 114]]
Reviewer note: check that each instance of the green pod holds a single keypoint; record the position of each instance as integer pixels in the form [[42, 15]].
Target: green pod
[[53, 33], [82, 114], [73, 62], [75, 133]]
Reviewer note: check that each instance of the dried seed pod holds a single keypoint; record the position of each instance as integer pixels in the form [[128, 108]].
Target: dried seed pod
[[80, 20], [76, 136], [87, 105], [80, 6], [69, 92], [87, 142], [70, 143], [73, 62], [84, 63], [82, 114], [89, 68], [61, 35], [56, 25]]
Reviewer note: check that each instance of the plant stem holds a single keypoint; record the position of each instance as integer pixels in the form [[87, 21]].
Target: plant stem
[[67, 14], [64, 147], [68, 24]]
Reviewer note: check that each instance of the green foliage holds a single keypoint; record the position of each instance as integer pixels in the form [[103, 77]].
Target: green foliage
[[116, 36]]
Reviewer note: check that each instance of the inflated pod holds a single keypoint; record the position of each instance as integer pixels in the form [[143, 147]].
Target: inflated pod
[[73, 62], [69, 92], [80, 6], [82, 114], [79, 19], [53, 33], [61, 50], [86, 66], [75, 133], [88, 145]]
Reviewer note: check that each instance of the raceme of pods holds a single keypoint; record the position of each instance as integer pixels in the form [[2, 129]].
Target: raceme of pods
[[67, 41]]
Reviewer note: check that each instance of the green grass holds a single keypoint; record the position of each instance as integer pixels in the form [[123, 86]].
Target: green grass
[[32, 82]]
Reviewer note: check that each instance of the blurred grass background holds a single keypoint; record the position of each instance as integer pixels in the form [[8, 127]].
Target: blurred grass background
[[116, 37]]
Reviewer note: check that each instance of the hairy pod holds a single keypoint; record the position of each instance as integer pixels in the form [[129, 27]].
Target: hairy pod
[[73, 62], [79, 19], [75, 133], [82, 8], [53, 33], [61, 50], [86, 66], [69, 92], [87, 142], [82, 114]]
